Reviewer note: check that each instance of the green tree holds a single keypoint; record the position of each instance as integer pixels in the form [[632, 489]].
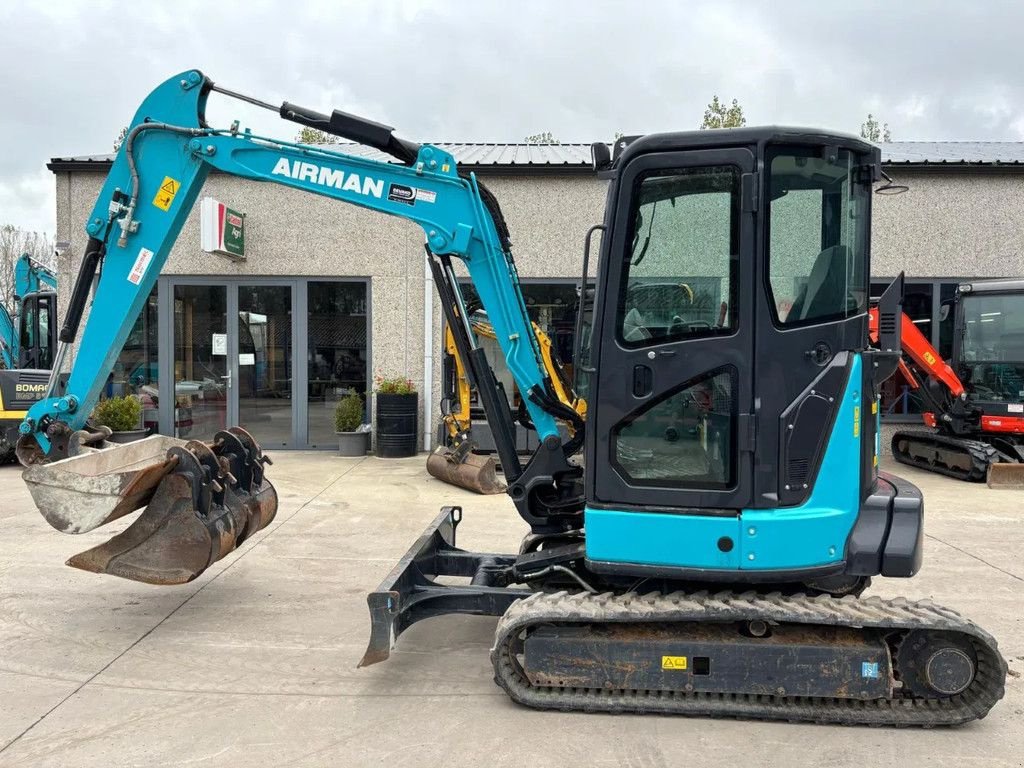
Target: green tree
[[315, 136], [120, 139], [541, 138], [873, 131], [720, 115]]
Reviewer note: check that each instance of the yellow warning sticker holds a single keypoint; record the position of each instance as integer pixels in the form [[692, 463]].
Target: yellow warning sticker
[[929, 358], [874, 407], [165, 195], [856, 421], [673, 662]]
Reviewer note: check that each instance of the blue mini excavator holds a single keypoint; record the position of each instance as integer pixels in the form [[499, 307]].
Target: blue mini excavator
[[707, 554], [25, 335], [28, 340]]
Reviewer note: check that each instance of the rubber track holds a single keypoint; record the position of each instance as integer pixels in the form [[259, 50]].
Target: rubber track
[[897, 615], [982, 455]]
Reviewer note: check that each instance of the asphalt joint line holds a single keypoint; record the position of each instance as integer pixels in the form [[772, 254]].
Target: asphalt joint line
[[241, 553], [975, 557]]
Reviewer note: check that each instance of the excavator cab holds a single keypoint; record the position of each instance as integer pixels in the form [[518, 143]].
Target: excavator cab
[[37, 323], [717, 399], [988, 352]]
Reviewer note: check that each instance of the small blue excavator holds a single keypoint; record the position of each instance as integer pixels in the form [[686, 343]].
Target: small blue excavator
[[28, 340], [708, 554], [28, 334]]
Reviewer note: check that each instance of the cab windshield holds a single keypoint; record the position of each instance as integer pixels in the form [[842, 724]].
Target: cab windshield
[[993, 347]]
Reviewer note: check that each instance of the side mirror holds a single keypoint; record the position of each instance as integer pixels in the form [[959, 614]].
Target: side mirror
[[600, 156]]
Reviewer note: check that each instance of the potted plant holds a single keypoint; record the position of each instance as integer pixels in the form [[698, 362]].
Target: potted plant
[[348, 418], [397, 408], [122, 415]]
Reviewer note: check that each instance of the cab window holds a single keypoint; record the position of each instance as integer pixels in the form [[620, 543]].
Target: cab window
[[818, 236], [681, 270]]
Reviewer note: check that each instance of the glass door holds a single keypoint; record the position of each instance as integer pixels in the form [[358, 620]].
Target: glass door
[[265, 375], [271, 355], [673, 375], [201, 372]]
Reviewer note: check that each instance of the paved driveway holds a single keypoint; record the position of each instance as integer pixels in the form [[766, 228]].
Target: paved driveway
[[254, 663]]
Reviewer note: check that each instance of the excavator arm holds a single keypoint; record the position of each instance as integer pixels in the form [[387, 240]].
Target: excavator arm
[[155, 181], [152, 186], [552, 365], [30, 276], [8, 340], [917, 347], [941, 389]]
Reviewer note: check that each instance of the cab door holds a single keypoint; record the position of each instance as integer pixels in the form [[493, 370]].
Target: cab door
[[671, 415]]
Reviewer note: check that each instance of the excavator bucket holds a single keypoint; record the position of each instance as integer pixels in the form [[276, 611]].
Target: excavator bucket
[[201, 501], [1006, 475], [466, 469], [96, 487]]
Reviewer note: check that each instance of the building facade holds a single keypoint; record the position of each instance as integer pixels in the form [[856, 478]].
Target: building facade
[[329, 296]]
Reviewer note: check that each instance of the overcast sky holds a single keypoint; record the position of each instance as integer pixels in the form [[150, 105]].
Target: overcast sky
[[74, 72]]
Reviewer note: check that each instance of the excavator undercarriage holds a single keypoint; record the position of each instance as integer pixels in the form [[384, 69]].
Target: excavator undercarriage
[[958, 457], [569, 640]]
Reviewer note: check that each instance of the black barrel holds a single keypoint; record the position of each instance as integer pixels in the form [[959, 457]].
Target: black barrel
[[396, 425]]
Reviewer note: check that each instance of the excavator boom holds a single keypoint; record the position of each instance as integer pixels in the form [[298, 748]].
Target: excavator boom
[[150, 190]]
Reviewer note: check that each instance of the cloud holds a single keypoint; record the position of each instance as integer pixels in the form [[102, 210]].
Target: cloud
[[495, 71]]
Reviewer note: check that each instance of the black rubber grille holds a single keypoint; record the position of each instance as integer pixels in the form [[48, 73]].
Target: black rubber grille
[[887, 322], [797, 471]]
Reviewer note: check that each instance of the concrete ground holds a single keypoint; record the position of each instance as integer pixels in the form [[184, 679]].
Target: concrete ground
[[254, 663]]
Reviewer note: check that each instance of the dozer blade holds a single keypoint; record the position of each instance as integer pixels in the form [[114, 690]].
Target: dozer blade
[[202, 501], [468, 470], [1007, 476]]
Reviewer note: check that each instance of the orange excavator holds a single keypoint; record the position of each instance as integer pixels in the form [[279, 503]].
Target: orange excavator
[[975, 401]]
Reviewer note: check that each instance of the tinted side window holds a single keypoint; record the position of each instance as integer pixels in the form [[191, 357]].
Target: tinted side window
[[685, 438], [818, 237], [681, 268]]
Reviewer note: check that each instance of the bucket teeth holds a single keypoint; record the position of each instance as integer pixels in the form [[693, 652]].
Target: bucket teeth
[[213, 498]]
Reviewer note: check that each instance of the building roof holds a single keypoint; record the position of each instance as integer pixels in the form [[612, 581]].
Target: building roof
[[953, 153], [575, 158]]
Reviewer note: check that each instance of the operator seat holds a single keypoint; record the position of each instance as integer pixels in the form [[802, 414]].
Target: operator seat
[[634, 327], [826, 290]]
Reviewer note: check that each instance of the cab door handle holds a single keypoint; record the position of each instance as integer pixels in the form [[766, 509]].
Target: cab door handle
[[643, 381]]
